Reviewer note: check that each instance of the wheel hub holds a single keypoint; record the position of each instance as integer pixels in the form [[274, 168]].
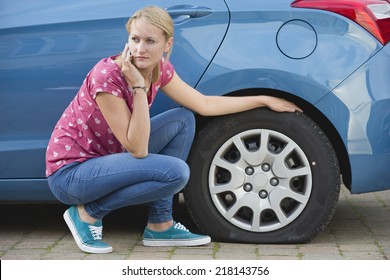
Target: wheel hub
[[260, 180]]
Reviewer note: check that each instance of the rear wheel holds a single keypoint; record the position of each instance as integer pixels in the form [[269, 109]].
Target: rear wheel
[[262, 177]]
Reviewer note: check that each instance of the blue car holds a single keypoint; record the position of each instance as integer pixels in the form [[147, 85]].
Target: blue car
[[257, 176]]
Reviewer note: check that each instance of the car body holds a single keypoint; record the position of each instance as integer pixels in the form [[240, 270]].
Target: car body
[[257, 176]]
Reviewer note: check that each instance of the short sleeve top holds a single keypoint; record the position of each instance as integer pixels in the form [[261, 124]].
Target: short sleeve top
[[82, 133]]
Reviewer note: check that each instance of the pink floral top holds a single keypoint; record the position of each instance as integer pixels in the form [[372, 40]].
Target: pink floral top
[[82, 132]]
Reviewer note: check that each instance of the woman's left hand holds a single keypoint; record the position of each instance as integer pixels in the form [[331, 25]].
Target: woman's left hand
[[280, 105]]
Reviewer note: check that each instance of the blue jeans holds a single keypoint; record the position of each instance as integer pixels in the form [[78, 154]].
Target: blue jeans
[[114, 181]]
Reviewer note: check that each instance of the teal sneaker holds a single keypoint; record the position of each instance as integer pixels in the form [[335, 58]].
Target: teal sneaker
[[176, 235], [87, 236]]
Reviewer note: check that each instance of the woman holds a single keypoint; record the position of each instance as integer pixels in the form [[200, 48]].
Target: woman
[[106, 153]]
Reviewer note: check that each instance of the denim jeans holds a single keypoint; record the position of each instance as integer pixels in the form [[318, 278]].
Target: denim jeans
[[114, 181]]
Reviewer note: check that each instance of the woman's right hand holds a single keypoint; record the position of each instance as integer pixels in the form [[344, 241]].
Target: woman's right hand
[[129, 70]]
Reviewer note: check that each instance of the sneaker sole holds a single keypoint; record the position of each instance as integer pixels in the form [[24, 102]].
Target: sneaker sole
[[79, 242], [176, 242]]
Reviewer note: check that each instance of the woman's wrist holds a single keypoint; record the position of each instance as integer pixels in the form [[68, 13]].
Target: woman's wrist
[[141, 88], [263, 100]]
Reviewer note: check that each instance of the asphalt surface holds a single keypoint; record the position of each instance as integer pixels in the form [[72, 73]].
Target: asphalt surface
[[359, 230]]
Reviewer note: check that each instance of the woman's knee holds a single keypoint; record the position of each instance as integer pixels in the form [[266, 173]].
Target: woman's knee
[[187, 117], [178, 174]]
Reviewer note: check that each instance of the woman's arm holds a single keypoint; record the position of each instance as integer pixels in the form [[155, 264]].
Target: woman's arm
[[131, 129], [205, 105]]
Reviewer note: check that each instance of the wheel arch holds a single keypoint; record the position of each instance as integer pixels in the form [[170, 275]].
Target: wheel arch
[[311, 111]]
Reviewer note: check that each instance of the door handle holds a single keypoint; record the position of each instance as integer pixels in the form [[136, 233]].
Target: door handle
[[188, 11]]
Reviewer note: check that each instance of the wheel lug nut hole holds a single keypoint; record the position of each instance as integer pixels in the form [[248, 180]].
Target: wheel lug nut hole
[[248, 187], [266, 167], [263, 194], [249, 171], [274, 181]]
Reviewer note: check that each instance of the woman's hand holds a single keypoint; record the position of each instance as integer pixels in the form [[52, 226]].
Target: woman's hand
[[280, 105], [131, 73]]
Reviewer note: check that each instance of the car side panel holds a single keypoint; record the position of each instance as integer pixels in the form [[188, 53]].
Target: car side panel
[[251, 54], [46, 50], [363, 102]]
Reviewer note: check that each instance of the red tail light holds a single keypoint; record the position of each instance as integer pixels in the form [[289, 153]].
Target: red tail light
[[373, 15]]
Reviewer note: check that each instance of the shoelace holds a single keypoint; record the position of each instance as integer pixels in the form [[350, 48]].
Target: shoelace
[[97, 232], [180, 227]]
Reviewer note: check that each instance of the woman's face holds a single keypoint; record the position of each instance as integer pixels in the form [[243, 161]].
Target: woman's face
[[147, 44]]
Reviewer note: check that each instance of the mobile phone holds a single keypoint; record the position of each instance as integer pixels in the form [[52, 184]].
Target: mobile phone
[[129, 53]]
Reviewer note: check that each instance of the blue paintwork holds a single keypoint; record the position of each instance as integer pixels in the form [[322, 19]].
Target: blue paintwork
[[338, 70], [360, 109]]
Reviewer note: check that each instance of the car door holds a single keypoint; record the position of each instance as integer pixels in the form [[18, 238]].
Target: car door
[[46, 50]]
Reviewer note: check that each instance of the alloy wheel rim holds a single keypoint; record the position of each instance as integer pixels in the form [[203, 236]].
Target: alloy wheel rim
[[260, 180]]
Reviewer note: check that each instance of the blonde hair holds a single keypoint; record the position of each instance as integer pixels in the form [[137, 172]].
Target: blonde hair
[[159, 18]]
